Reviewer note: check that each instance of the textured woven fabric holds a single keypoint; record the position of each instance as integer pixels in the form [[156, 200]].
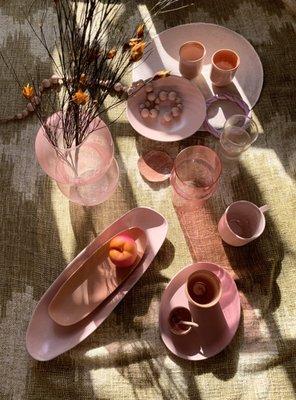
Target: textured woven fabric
[[41, 232]]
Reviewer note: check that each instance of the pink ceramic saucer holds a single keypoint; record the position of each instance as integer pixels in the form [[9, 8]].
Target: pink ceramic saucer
[[46, 339], [191, 119], [163, 53], [217, 328]]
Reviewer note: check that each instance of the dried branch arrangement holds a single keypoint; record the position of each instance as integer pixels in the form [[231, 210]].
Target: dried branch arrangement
[[95, 50]]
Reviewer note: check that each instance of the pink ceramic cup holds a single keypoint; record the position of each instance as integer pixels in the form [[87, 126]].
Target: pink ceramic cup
[[191, 56], [179, 314], [203, 289], [241, 223], [224, 66]]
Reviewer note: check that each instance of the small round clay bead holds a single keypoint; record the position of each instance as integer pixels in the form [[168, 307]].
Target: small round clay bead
[[149, 88], [54, 79], [157, 107], [145, 113], [180, 106], [157, 100], [153, 113], [142, 106], [163, 95], [30, 107], [151, 96], [118, 87], [172, 95], [147, 103], [25, 113]]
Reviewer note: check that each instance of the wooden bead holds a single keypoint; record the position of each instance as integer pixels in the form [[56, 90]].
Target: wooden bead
[[54, 79], [30, 107], [118, 87], [46, 83], [149, 88]]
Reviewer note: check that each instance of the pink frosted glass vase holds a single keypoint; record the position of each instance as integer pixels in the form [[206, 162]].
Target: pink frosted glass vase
[[88, 173]]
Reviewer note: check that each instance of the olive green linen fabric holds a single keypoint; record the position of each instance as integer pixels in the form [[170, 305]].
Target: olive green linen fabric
[[41, 232]]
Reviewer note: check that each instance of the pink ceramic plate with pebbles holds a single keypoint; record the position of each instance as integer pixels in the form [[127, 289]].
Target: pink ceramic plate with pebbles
[[216, 328], [167, 110]]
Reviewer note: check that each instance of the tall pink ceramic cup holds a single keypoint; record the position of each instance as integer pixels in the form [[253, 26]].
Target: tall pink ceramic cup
[[225, 63], [241, 223], [191, 55]]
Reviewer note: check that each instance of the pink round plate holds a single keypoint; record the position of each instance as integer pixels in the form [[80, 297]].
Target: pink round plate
[[216, 331], [190, 120], [163, 53]]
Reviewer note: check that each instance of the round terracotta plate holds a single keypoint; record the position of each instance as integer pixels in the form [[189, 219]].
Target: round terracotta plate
[[155, 166], [164, 54], [187, 124], [217, 329]]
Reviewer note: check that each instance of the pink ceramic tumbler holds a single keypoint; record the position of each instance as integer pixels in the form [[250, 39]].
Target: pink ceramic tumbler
[[241, 223], [203, 289], [195, 176], [176, 315], [191, 55], [224, 66]]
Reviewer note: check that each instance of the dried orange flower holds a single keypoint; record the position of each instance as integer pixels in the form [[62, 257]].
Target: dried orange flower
[[140, 30], [137, 51], [28, 91], [112, 53], [80, 97], [133, 41], [161, 74]]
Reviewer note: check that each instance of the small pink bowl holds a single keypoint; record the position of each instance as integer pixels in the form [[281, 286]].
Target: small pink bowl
[[179, 314]]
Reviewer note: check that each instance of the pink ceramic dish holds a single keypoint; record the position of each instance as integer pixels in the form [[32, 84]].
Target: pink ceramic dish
[[163, 53], [217, 326], [45, 339], [190, 120]]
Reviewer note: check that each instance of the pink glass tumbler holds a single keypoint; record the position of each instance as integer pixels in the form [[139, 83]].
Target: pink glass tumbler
[[195, 176]]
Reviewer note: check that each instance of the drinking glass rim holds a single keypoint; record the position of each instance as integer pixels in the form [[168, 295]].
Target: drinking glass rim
[[193, 42], [246, 117], [199, 146], [221, 69]]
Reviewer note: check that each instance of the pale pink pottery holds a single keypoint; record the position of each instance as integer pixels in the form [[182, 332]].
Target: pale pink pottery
[[195, 176], [46, 339], [241, 223], [191, 56], [88, 173], [203, 289], [163, 53], [190, 120], [217, 324], [179, 314], [155, 166], [95, 280], [225, 63]]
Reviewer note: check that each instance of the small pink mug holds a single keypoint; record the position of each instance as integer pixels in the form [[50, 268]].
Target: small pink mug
[[242, 222], [225, 63], [191, 55]]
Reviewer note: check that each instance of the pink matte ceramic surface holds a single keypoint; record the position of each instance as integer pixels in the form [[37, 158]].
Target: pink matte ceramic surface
[[206, 280], [225, 63], [45, 339], [241, 223], [191, 55], [179, 314], [163, 52], [217, 325], [92, 283], [195, 175], [190, 120]]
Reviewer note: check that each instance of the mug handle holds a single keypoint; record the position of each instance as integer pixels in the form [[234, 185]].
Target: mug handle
[[264, 208]]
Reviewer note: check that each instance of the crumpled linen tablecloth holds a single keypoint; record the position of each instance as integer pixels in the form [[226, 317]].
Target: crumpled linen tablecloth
[[41, 232]]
